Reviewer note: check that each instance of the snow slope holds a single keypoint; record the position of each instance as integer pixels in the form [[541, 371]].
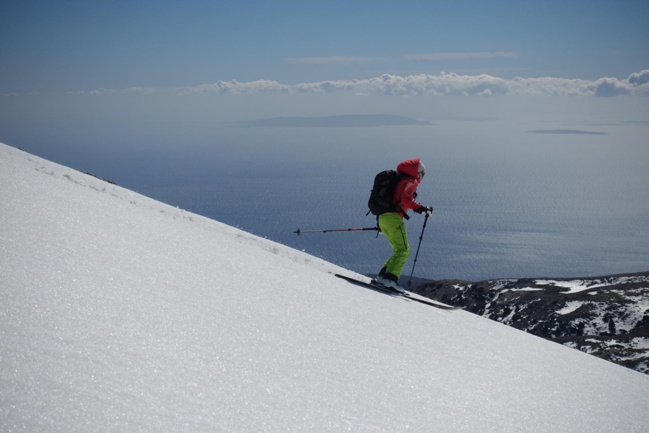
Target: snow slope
[[122, 314]]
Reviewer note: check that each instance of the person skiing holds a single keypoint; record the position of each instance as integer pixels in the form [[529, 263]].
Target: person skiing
[[391, 224]]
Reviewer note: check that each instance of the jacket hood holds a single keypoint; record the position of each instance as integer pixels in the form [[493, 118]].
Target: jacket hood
[[409, 167]]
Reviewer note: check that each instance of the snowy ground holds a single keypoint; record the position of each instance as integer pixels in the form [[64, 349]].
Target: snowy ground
[[576, 286], [119, 313]]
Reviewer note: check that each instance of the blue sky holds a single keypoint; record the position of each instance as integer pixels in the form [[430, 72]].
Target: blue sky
[[63, 46]]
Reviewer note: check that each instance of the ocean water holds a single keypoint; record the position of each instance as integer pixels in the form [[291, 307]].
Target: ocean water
[[508, 202], [521, 187]]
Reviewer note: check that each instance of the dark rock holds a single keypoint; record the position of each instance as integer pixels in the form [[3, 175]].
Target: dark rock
[[602, 316]]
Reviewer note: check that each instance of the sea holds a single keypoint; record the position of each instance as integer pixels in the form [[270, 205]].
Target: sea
[[510, 201], [556, 188]]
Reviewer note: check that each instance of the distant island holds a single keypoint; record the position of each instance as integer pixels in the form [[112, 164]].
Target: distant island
[[566, 131], [341, 121]]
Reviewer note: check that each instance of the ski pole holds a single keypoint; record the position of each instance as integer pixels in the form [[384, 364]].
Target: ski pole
[[358, 229], [418, 246]]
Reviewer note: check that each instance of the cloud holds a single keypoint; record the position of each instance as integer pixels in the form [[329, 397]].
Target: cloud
[[336, 60], [9, 95], [236, 87], [101, 91], [130, 90], [446, 84], [610, 87], [639, 78], [459, 56], [348, 60], [443, 84]]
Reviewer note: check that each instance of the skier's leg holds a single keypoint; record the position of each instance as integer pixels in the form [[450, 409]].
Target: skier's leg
[[393, 228]]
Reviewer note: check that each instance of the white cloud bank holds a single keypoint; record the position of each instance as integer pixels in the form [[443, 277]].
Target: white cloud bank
[[444, 84]]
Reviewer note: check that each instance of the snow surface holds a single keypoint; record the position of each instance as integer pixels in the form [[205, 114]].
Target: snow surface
[[122, 314], [571, 306], [576, 286]]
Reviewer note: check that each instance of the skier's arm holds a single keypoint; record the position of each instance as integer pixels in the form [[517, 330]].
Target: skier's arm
[[408, 198]]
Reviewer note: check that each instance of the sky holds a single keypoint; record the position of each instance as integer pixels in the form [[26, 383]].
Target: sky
[[145, 46], [106, 87]]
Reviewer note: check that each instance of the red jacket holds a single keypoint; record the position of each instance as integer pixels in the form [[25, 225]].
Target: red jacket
[[404, 193]]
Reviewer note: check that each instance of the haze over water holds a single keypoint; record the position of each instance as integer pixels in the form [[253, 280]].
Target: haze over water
[[556, 187]]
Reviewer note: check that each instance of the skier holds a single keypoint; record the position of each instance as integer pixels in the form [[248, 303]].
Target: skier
[[391, 223]]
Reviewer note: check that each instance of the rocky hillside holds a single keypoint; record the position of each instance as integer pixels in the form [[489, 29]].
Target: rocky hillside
[[605, 316]]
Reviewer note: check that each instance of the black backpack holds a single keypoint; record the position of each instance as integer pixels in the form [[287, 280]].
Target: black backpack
[[380, 200]]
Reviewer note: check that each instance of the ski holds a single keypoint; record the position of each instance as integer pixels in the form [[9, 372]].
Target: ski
[[374, 285]]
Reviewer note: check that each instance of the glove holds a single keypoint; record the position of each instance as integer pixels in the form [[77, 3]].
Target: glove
[[427, 209]]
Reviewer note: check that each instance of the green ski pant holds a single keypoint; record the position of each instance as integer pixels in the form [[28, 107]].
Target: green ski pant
[[392, 226]]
